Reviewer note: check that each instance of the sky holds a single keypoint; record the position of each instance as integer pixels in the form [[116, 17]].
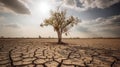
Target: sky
[[22, 18]]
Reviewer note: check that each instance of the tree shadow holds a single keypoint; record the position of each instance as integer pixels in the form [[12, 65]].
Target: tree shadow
[[55, 43], [62, 43]]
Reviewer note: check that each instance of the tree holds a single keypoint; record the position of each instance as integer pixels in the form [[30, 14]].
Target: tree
[[60, 22], [2, 37], [40, 37]]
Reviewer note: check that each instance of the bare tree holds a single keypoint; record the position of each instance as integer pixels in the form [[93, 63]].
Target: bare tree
[[60, 22]]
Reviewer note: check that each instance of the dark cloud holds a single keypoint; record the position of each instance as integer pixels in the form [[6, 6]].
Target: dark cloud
[[87, 4], [102, 27], [96, 12], [115, 19], [16, 6], [98, 3], [79, 4]]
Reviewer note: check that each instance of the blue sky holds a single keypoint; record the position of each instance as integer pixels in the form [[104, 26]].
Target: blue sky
[[22, 18]]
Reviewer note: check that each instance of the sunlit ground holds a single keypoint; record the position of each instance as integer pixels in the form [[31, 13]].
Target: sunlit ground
[[47, 53]]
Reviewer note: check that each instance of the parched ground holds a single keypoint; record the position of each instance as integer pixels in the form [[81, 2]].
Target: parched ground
[[46, 53]]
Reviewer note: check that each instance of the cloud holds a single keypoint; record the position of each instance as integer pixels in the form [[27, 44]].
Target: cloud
[[4, 24], [70, 2], [98, 3], [14, 5], [12, 25], [102, 27], [9, 29], [87, 4], [9, 25]]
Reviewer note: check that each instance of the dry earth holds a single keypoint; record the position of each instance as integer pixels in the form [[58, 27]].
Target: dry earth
[[46, 53]]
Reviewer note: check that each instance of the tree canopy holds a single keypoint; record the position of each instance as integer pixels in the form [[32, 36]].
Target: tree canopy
[[60, 22]]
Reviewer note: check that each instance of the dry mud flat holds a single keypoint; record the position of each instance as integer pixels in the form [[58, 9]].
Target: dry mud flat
[[37, 53]]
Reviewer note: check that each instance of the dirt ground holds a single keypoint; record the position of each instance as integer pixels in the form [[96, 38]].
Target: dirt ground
[[47, 53]]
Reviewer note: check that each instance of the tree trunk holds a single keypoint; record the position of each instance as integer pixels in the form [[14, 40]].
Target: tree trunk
[[59, 37]]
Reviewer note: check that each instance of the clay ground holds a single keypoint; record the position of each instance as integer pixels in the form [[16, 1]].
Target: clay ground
[[46, 53]]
